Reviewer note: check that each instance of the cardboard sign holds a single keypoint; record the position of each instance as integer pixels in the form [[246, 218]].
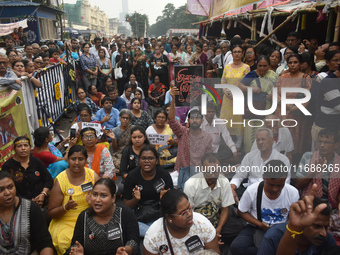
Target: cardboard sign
[[158, 139], [96, 126], [188, 80]]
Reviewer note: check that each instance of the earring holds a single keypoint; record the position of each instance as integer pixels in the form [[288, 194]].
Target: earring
[[170, 221]]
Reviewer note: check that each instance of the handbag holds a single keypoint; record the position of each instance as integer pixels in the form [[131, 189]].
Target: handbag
[[259, 103], [211, 212], [149, 211], [118, 72]]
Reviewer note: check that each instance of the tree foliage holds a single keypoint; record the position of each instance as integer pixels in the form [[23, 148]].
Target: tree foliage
[[173, 18], [137, 22]]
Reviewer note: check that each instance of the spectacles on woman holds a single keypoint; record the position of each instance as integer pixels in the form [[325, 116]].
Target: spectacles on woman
[[89, 137], [147, 158], [184, 214]]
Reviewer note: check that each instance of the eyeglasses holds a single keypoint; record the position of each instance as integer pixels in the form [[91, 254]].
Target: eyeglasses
[[84, 115], [147, 158], [3, 63], [185, 213], [250, 53], [89, 137], [12, 56]]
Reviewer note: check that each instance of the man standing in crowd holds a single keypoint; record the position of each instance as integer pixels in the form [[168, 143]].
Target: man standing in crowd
[[263, 205], [98, 45], [322, 168], [35, 49], [9, 44], [167, 47], [7, 77], [29, 52]]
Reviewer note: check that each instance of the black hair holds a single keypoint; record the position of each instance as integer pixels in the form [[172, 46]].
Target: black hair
[[87, 129], [199, 45], [106, 99], [26, 45], [275, 169], [235, 41], [142, 130], [149, 147], [170, 200], [294, 34], [79, 89], [260, 48], [9, 50], [328, 133], [236, 46], [81, 107], [211, 157], [108, 183], [295, 55], [263, 57], [77, 148], [160, 111], [331, 54], [16, 61], [211, 105], [40, 135], [327, 211], [278, 52], [84, 44], [292, 48], [43, 55], [106, 78], [166, 106], [112, 88], [5, 174], [54, 50], [19, 138], [195, 111], [96, 39], [89, 89], [127, 86], [146, 45], [307, 58], [134, 99], [8, 37], [25, 62]]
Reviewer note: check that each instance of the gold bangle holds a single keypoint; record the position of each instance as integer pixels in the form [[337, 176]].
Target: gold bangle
[[294, 233], [64, 207]]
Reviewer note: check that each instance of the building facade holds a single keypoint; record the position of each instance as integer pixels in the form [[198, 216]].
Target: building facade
[[83, 14]]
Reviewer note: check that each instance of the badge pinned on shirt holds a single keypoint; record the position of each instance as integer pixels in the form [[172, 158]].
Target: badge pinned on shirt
[[284, 211], [158, 185], [193, 243], [132, 157], [163, 248], [114, 232], [37, 173], [86, 187], [70, 191]]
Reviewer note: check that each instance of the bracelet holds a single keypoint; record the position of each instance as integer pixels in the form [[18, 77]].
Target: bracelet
[[43, 192], [64, 207], [294, 233]]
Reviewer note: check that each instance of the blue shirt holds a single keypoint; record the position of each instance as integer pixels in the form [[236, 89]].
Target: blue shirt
[[168, 97], [120, 104], [167, 48], [114, 120], [272, 238]]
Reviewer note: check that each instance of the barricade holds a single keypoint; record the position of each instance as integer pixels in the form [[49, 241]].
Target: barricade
[[53, 98]]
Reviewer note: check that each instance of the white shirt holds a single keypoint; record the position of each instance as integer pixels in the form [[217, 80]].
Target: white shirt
[[94, 51], [199, 193], [272, 211], [252, 167], [284, 142], [228, 58], [216, 132], [155, 236]]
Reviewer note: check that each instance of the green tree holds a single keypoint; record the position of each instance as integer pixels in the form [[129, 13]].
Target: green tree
[[137, 22], [176, 18]]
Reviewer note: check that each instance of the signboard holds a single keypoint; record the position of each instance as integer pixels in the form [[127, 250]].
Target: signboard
[[198, 7], [13, 122], [96, 126], [188, 80], [158, 139], [7, 29]]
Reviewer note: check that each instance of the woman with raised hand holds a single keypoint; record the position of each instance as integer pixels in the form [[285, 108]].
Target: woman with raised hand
[[69, 197], [145, 186], [105, 227]]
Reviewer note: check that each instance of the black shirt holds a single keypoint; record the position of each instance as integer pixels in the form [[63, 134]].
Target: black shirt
[[129, 161], [29, 182], [148, 191]]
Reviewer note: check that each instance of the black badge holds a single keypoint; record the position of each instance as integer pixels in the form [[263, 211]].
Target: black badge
[[193, 243], [114, 232], [158, 185], [86, 187], [163, 248]]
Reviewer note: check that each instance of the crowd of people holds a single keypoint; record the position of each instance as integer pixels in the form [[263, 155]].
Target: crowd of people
[[138, 171]]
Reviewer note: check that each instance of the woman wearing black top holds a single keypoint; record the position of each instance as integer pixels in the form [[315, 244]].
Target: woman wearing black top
[[105, 228], [122, 60], [159, 66], [130, 155], [31, 177], [145, 186]]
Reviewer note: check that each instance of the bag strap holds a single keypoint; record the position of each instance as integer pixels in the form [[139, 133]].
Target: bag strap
[[167, 237], [259, 200], [222, 60]]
